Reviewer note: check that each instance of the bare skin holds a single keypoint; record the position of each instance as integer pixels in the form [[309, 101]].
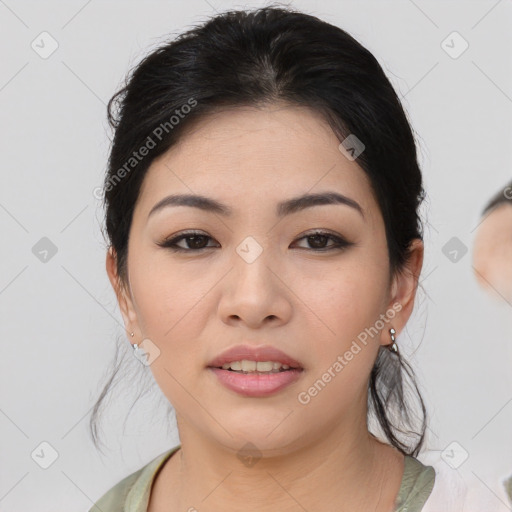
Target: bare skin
[[310, 303], [492, 255], [383, 482]]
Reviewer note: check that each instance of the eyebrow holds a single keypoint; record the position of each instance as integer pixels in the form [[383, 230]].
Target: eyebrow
[[284, 208]]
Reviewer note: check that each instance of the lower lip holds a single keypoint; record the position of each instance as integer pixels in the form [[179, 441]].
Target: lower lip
[[253, 384]]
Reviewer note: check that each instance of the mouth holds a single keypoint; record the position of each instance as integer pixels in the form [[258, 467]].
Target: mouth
[[255, 371], [256, 384], [247, 367], [241, 372], [261, 359]]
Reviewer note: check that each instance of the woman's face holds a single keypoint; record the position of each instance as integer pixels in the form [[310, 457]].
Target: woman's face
[[252, 276]]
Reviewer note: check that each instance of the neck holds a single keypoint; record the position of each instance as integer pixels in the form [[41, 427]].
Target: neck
[[344, 470]]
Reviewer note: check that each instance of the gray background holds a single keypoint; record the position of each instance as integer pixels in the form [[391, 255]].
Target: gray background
[[59, 317]]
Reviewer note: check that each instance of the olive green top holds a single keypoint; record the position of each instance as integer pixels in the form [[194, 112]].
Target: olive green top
[[132, 493]]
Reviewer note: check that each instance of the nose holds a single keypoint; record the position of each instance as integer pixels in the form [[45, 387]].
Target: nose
[[255, 294]]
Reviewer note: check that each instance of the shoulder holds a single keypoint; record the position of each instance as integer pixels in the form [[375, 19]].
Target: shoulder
[[459, 490], [115, 498], [450, 489], [131, 494], [417, 483]]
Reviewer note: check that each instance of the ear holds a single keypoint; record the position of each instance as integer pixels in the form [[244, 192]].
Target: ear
[[403, 290], [123, 294]]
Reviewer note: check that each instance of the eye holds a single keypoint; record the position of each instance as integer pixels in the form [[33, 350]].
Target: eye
[[319, 239], [193, 241]]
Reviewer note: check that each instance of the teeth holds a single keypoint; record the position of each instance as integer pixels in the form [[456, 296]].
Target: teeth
[[255, 366]]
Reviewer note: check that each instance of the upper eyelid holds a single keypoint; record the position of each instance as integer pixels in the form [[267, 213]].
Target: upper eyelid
[[174, 239], [314, 231]]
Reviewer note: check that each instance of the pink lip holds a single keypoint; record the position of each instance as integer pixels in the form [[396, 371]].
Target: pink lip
[[261, 353], [256, 385]]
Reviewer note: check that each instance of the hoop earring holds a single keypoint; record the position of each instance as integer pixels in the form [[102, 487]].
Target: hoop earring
[[393, 347]]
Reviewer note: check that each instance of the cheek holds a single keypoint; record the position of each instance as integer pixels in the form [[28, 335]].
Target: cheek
[[349, 299], [167, 294], [173, 308], [344, 345], [345, 307]]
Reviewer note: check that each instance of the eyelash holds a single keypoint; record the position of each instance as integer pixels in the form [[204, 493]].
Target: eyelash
[[171, 243]]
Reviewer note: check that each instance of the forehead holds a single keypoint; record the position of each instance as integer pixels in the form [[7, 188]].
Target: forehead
[[248, 156]]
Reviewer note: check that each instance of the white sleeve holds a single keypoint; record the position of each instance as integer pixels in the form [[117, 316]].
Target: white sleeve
[[449, 491], [457, 491]]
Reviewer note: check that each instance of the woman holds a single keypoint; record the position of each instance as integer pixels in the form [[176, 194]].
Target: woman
[[265, 246]]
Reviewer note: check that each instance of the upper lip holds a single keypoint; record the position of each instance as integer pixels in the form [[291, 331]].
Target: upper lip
[[259, 353]]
